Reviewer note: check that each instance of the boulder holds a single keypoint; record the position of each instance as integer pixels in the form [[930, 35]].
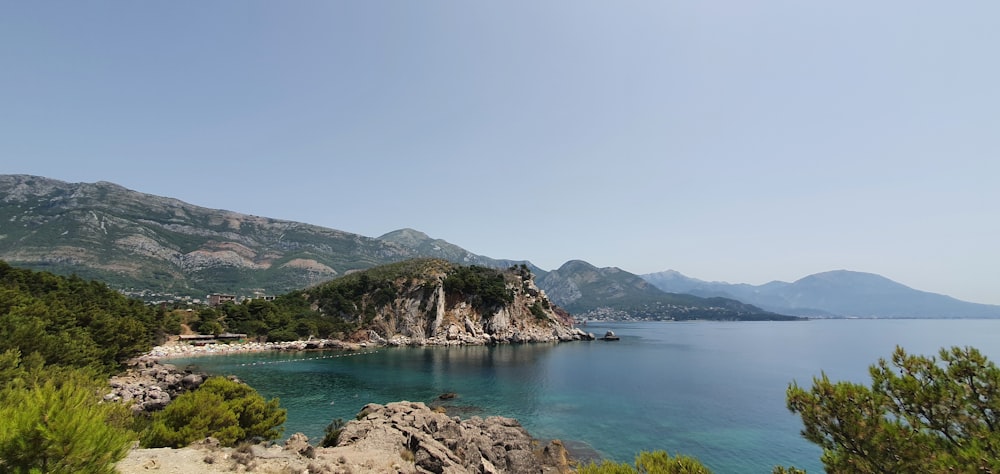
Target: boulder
[[442, 444], [149, 386]]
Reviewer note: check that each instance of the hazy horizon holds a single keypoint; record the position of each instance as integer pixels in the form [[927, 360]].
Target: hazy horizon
[[730, 141]]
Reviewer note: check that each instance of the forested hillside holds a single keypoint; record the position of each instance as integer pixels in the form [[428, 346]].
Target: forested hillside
[[60, 338], [72, 322]]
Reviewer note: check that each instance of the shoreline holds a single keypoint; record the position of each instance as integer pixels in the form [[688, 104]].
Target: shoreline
[[176, 349]]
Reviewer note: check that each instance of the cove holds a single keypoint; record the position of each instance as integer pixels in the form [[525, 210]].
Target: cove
[[713, 390]]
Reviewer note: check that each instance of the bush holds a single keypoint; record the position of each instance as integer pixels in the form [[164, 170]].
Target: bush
[[656, 462], [333, 431], [54, 421], [229, 411]]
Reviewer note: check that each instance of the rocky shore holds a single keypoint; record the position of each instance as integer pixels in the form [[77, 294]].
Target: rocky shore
[[149, 385], [181, 349], [452, 338], [401, 437]]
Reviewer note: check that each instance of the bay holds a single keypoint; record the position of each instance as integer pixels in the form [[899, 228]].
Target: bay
[[712, 390]]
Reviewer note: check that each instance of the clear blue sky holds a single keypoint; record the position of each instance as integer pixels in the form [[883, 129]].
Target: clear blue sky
[[744, 141]]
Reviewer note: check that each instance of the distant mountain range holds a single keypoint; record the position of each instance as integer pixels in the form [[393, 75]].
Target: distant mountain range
[[134, 240], [839, 293], [612, 293]]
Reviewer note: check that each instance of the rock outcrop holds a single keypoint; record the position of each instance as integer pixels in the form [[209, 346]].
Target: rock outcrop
[[401, 437], [432, 301], [441, 444], [149, 385]]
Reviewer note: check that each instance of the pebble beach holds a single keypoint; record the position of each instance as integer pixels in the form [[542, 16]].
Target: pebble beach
[[174, 349]]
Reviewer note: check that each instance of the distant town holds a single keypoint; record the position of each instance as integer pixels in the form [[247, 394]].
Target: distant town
[[215, 299]]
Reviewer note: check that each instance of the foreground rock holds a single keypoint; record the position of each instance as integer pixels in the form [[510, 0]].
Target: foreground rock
[[400, 437], [442, 444]]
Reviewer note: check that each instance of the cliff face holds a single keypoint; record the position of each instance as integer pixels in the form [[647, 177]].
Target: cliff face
[[436, 302]]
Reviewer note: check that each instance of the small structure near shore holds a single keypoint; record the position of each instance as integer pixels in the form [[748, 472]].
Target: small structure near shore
[[203, 339], [610, 336]]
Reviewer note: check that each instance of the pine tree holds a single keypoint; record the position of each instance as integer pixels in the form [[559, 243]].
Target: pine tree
[[228, 411], [51, 420]]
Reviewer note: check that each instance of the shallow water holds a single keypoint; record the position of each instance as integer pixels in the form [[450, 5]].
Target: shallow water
[[713, 390]]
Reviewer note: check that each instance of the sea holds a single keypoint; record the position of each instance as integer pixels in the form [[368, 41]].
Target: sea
[[711, 390]]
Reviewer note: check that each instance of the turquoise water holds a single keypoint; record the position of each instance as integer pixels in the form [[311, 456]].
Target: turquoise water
[[713, 390]]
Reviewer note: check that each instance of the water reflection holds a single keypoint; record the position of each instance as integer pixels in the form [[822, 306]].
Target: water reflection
[[317, 387]]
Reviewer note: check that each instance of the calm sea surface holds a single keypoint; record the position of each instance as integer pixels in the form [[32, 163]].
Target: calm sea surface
[[713, 390]]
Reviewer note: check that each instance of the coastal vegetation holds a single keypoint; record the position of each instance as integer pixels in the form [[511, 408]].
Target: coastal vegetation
[[52, 419], [655, 462], [72, 322], [920, 414], [61, 337], [229, 411]]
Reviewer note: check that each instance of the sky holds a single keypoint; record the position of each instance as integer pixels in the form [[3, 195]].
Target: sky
[[730, 140]]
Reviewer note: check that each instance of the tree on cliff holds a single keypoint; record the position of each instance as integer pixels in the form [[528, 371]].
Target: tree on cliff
[[920, 414]]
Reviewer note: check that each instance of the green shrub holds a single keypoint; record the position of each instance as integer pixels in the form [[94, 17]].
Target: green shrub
[[787, 470], [52, 420], [229, 411], [333, 431], [537, 311], [606, 467], [656, 462]]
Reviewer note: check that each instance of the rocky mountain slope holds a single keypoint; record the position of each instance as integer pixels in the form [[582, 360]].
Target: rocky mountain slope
[[832, 294], [131, 239], [420, 244], [612, 293]]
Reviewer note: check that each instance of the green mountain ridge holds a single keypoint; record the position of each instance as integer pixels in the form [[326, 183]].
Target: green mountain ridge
[[612, 293]]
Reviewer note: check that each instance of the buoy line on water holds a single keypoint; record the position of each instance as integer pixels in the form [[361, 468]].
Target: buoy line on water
[[334, 356]]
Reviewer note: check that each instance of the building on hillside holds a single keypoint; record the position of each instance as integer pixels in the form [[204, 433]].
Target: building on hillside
[[260, 295], [216, 299], [205, 339]]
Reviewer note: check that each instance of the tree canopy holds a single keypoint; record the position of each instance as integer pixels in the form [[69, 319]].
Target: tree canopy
[[920, 414], [70, 321]]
